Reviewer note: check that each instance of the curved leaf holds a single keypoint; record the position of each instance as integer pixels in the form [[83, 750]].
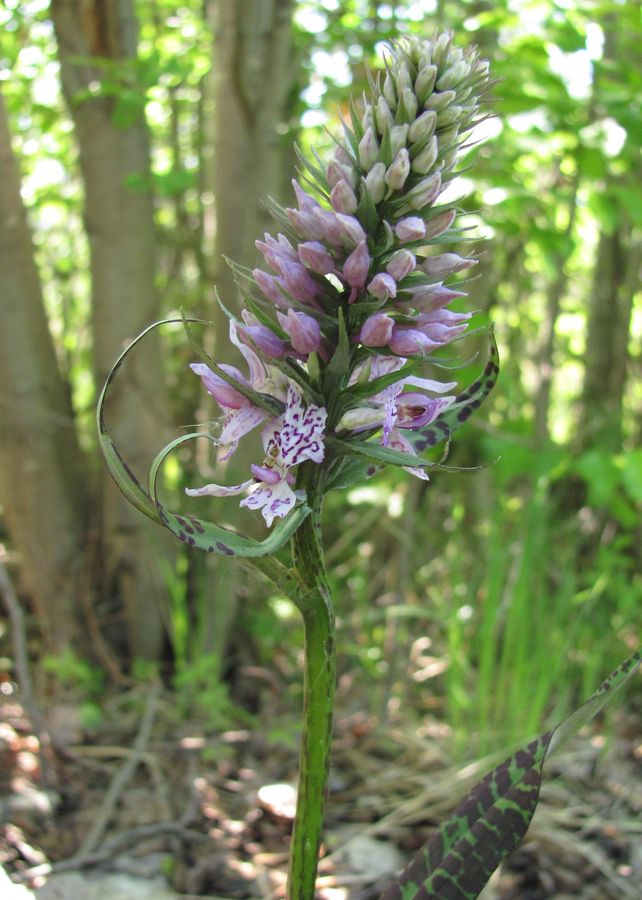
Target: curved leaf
[[215, 538], [379, 455], [463, 853], [464, 406], [193, 531]]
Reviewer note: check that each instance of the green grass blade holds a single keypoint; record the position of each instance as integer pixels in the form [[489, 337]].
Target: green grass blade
[[461, 856]]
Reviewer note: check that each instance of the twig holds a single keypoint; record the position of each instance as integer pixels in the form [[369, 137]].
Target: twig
[[124, 774], [23, 675], [113, 848]]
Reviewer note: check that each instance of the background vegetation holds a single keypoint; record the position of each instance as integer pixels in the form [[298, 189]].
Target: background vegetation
[[136, 143]]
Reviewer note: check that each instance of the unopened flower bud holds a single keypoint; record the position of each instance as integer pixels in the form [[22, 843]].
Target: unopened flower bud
[[305, 224], [304, 331], [343, 198], [383, 286], [355, 268], [398, 138], [441, 223], [423, 127], [337, 171], [298, 282], [342, 156], [264, 339], [368, 119], [449, 116], [389, 92], [398, 171], [368, 150], [440, 101], [426, 192], [425, 82], [401, 264], [452, 76], [306, 202], [224, 394], [408, 103], [411, 228], [448, 137], [376, 182], [376, 331], [360, 418], [424, 161], [329, 226], [350, 230], [403, 80], [315, 256], [270, 287], [446, 264], [408, 341], [433, 297], [440, 48], [383, 116]]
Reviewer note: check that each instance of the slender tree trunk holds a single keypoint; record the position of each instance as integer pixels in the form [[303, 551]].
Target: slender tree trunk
[[252, 47], [546, 353], [114, 160], [243, 99], [42, 489], [615, 281]]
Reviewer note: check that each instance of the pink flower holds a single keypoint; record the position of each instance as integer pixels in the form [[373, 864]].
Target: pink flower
[[241, 415], [288, 440]]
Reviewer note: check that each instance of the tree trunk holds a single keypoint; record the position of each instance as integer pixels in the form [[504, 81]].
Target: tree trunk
[[42, 489], [243, 100], [252, 48], [114, 160], [614, 285]]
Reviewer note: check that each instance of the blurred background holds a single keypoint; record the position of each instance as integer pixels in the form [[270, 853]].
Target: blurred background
[[138, 143]]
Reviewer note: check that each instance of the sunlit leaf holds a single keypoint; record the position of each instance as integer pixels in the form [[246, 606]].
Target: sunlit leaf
[[461, 856]]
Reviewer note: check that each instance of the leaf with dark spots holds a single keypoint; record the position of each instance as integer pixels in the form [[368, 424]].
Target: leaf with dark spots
[[486, 827], [462, 409], [192, 531]]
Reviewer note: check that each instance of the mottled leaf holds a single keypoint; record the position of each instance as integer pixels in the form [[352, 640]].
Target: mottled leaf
[[462, 409], [193, 531], [463, 853]]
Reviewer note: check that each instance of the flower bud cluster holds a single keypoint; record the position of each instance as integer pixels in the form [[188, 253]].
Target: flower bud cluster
[[360, 258], [375, 220]]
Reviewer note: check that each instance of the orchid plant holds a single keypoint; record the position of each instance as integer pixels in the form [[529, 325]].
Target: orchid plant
[[335, 331]]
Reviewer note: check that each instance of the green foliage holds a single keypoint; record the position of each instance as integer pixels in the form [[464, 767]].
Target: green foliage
[[79, 683]]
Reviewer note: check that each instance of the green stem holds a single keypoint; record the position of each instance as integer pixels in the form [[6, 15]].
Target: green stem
[[315, 603]]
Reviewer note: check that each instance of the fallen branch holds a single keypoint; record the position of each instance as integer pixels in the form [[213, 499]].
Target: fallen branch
[[124, 774]]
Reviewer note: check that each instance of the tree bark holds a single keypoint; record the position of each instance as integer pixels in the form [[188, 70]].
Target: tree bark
[[42, 488], [243, 100], [252, 49], [615, 281], [97, 42]]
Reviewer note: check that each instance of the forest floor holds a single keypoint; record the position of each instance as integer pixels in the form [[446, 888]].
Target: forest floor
[[147, 805]]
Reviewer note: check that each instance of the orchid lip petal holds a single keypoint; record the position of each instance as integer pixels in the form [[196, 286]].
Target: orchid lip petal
[[274, 500]]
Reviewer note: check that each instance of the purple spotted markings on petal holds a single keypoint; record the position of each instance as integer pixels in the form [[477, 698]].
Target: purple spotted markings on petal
[[288, 440]]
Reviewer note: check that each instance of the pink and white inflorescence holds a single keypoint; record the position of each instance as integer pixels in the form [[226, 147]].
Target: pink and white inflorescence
[[357, 264]]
